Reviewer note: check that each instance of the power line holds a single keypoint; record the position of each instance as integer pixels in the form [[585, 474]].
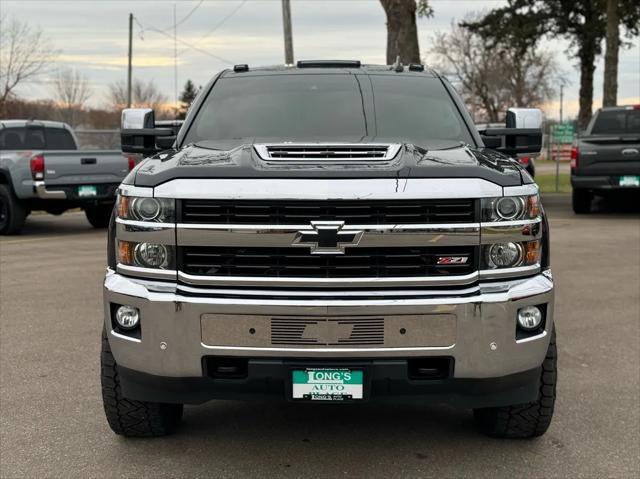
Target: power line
[[185, 18], [187, 44], [221, 22]]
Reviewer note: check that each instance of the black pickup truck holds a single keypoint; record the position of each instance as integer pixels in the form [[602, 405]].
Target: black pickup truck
[[606, 158], [329, 232]]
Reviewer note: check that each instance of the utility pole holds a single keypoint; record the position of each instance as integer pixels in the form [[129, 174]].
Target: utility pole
[[558, 149], [288, 39], [175, 56], [130, 55]]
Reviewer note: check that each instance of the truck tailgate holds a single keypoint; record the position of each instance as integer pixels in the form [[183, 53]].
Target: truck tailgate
[[609, 155], [80, 167]]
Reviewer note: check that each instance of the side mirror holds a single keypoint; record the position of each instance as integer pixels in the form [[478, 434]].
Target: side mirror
[[523, 132], [138, 133]]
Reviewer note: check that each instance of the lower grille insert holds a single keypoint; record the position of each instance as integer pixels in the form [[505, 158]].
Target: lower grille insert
[[329, 332]]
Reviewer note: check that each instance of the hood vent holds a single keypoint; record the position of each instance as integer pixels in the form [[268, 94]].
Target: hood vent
[[326, 152]]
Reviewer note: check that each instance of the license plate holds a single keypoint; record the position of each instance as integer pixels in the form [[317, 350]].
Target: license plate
[[630, 181], [323, 384], [84, 191]]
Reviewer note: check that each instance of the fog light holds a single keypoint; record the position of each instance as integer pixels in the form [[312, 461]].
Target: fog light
[[529, 318], [127, 317]]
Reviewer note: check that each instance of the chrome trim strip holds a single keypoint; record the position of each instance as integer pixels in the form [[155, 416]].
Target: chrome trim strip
[[435, 227], [125, 231], [262, 149], [126, 338], [543, 334], [327, 282], [326, 350], [509, 272], [130, 190], [285, 235], [347, 293], [145, 224], [499, 231], [45, 194], [523, 190], [328, 189], [146, 272]]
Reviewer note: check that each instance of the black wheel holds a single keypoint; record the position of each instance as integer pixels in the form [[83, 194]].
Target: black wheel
[[12, 212], [98, 215], [581, 201], [525, 420], [129, 417]]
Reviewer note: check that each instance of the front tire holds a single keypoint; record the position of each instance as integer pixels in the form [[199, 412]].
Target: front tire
[[12, 212], [581, 201], [98, 215], [525, 420], [128, 417]]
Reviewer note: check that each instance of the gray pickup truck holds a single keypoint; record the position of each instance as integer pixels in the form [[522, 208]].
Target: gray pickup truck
[[329, 232], [41, 168], [606, 158]]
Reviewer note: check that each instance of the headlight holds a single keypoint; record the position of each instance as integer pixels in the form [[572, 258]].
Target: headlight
[[146, 255], [510, 208], [159, 210], [504, 255], [510, 254]]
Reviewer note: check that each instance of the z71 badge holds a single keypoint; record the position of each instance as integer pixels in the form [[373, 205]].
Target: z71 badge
[[452, 260]]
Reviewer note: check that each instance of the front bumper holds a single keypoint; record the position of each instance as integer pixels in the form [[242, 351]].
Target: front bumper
[[477, 330]]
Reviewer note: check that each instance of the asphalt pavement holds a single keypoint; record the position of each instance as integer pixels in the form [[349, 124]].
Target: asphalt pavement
[[52, 423]]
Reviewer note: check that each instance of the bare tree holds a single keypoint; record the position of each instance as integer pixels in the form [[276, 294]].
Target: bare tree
[[71, 89], [25, 54], [493, 79], [402, 32], [143, 95]]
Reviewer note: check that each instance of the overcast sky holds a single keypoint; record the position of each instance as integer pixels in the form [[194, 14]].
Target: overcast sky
[[92, 37]]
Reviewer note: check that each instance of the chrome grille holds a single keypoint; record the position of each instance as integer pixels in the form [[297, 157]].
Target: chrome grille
[[361, 212], [294, 262]]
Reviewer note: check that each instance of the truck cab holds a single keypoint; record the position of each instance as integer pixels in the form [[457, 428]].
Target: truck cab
[[329, 232]]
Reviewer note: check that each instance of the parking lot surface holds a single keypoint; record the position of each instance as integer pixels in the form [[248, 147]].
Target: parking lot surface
[[52, 423]]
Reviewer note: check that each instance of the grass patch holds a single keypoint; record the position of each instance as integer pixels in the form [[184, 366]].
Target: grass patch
[[547, 183]]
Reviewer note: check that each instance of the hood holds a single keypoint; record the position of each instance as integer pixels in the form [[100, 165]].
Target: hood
[[239, 159]]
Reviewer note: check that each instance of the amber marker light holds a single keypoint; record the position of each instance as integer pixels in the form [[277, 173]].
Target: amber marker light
[[533, 206], [125, 252], [532, 252], [123, 207]]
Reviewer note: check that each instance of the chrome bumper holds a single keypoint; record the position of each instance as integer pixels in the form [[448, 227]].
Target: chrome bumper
[[479, 332], [45, 194]]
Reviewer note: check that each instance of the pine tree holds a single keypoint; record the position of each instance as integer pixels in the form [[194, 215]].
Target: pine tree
[[187, 96]]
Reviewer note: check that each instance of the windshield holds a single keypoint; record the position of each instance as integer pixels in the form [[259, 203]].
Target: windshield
[[331, 107], [617, 122]]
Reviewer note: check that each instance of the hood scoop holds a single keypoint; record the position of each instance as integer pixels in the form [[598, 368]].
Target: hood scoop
[[327, 153]]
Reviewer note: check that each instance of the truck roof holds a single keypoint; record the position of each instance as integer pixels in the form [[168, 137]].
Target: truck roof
[[328, 67], [22, 123]]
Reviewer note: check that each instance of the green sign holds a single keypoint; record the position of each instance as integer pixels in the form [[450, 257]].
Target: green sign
[[563, 133], [321, 384]]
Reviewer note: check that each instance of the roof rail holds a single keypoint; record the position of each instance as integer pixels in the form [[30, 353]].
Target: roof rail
[[329, 64], [243, 67]]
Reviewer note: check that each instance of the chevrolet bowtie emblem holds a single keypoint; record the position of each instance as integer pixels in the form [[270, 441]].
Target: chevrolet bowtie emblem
[[327, 237]]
